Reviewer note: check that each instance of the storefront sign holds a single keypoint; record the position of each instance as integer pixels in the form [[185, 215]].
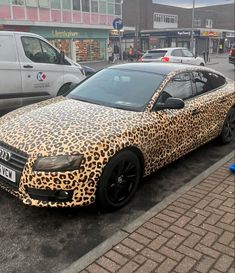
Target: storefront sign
[[230, 34], [114, 33], [64, 34], [183, 33], [210, 33]]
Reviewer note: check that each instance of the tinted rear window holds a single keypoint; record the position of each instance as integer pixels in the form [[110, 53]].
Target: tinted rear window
[[153, 54]]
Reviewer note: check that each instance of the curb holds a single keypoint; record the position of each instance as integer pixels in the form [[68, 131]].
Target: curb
[[101, 249]]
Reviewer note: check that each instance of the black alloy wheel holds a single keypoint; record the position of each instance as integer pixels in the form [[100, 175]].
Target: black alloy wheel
[[228, 131], [119, 181]]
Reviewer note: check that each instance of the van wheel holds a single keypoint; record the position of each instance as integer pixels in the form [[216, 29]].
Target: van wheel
[[64, 89]]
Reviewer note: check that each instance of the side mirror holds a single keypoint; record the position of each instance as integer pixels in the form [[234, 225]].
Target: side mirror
[[174, 103], [171, 103]]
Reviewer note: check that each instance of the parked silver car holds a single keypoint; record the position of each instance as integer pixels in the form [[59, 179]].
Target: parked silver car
[[173, 55]]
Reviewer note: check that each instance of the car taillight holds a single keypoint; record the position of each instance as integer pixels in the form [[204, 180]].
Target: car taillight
[[165, 59], [140, 60]]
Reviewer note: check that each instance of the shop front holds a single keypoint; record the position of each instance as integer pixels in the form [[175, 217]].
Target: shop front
[[78, 44], [171, 38]]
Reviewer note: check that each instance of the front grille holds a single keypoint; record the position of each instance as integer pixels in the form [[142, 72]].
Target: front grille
[[16, 163]]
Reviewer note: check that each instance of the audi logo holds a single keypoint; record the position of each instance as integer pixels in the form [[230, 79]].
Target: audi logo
[[4, 154]]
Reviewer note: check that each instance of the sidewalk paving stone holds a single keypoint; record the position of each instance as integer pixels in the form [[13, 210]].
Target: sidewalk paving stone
[[192, 233]]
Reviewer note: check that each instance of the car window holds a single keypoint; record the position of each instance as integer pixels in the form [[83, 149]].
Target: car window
[[177, 53], [119, 88], [206, 81], [154, 54], [179, 87], [38, 51], [187, 53]]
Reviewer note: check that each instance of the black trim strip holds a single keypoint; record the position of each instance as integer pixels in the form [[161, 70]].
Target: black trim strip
[[23, 95]]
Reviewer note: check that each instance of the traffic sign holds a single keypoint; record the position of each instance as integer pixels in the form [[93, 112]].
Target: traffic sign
[[117, 23]]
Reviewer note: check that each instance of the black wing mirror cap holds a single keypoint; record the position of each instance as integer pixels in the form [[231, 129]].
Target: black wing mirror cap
[[170, 103], [174, 103]]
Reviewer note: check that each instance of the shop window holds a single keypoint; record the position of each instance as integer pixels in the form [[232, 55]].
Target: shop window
[[4, 2], [76, 5], [18, 2], [66, 4], [85, 5], [94, 6], [55, 4], [88, 50], [102, 7]]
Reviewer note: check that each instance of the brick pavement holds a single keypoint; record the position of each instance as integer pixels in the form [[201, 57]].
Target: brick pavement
[[193, 234]]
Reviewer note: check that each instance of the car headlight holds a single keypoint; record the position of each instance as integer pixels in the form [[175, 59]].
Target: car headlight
[[59, 163]]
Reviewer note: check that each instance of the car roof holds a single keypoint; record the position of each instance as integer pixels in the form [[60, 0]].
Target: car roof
[[160, 68], [166, 48]]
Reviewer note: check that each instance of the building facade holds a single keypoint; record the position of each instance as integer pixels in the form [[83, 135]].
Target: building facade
[[167, 26], [78, 27]]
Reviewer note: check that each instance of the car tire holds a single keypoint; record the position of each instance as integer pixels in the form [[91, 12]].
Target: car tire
[[228, 129], [202, 64], [119, 181], [64, 89]]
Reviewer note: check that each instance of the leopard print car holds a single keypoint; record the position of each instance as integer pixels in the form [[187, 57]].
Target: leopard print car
[[104, 137]]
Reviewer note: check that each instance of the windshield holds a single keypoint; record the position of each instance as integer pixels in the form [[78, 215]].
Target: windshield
[[118, 88]]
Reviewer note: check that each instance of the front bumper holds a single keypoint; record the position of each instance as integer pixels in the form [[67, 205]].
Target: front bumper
[[55, 189]]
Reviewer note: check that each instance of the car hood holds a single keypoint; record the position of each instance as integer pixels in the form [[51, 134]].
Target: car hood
[[63, 126]]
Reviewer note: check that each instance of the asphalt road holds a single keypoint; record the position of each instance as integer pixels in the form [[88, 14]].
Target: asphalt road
[[48, 240]]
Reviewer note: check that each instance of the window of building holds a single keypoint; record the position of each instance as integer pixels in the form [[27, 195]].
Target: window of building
[[197, 23], [209, 23], [66, 4], [111, 7], [102, 6], [55, 4], [76, 5], [4, 2], [31, 3], [165, 18], [18, 2], [94, 6], [118, 9], [43, 3], [85, 5]]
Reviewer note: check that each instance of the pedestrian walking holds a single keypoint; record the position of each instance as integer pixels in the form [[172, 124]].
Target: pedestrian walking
[[110, 54], [131, 54], [116, 53]]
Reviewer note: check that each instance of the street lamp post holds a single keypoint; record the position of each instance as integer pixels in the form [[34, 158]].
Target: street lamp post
[[192, 29]]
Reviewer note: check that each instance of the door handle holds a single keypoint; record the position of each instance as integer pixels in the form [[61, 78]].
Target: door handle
[[222, 99], [195, 112], [28, 66]]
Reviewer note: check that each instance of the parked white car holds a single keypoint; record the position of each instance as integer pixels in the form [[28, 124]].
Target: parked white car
[[31, 69], [172, 55]]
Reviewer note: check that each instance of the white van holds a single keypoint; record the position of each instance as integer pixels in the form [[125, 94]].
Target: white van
[[31, 70]]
